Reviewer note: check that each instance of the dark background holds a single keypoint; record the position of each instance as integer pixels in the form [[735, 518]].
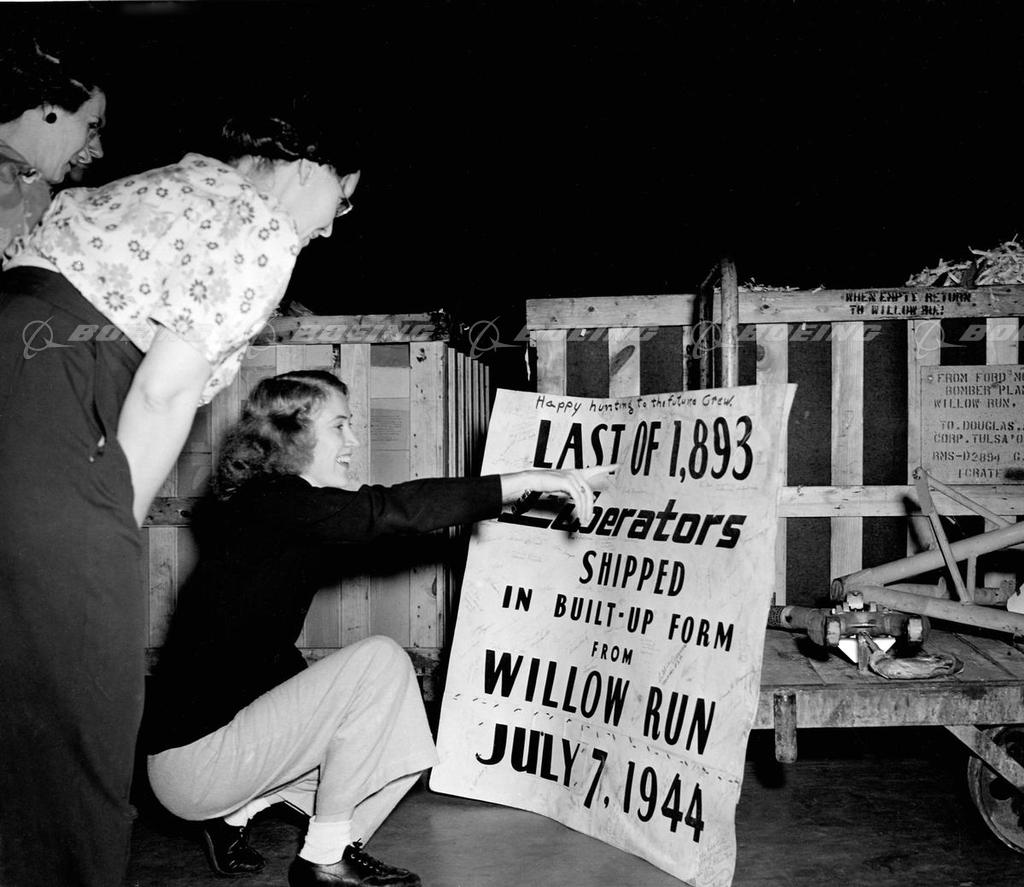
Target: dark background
[[519, 150]]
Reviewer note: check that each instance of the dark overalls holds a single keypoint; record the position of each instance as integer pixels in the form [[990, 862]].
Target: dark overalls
[[72, 596]]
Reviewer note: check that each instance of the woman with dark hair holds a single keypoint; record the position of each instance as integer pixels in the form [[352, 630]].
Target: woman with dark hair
[[51, 113], [124, 309], [235, 721]]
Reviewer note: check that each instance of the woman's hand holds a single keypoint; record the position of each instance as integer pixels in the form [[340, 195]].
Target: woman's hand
[[578, 484]]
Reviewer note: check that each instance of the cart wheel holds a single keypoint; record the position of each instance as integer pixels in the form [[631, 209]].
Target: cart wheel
[[998, 802]]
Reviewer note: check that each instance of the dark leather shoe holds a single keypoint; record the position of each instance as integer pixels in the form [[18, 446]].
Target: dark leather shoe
[[356, 868], [228, 851]]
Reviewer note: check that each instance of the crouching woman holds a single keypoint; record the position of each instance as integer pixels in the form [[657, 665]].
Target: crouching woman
[[235, 720]]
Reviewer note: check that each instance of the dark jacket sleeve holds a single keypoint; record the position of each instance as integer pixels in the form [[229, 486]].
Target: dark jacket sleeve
[[22, 200], [329, 515]]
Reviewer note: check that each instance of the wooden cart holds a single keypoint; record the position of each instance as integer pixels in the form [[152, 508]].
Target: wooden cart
[[854, 440]]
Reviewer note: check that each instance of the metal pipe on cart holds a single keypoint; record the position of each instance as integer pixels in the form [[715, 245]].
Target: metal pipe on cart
[[884, 574], [985, 596], [950, 611]]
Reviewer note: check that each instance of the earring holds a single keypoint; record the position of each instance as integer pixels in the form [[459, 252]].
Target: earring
[[51, 117]]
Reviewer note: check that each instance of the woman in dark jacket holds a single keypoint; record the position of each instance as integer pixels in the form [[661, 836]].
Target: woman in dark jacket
[[235, 722]]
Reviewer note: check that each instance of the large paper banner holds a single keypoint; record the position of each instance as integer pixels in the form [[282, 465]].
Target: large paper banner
[[607, 675]]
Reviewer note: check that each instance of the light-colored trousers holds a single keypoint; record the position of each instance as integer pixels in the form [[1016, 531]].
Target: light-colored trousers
[[344, 739]]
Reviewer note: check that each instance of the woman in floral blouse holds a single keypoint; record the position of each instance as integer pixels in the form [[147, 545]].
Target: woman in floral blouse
[[127, 307], [51, 113]]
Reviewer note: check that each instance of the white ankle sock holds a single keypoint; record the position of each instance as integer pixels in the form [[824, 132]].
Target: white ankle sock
[[244, 814], [326, 841]]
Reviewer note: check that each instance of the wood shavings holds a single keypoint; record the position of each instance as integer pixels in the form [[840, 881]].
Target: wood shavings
[[1002, 265], [753, 286], [943, 274]]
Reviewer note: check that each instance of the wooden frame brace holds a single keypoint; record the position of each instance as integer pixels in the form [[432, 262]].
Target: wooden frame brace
[[995, 756]]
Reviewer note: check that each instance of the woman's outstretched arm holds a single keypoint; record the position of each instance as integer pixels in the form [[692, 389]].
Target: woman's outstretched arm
[[578, 484]]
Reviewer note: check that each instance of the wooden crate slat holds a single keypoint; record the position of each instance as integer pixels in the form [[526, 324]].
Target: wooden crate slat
[[1006, 658], [198, 440], [322, 627], [552, 366], [475, 409], [459, 371], [463, 436], [910, 704], [485, 419], [455, 432], [786, 662], [353, 329], [388, 600], [879, 304], [477, 427], [426, 459], [470, 411], [847, 440], [193, 474], [773, 369], [620, 311], [466, 432], [687, 346], [224, 412], [976, 655], [171, 511], [890, 501], [387, 596], [290, 357], [1001, 347], [385, 599], [353, 368], [834, 669], [924, 340], [170, 485], [623, 362], [162, 564], [1002, 339], [451, 420]]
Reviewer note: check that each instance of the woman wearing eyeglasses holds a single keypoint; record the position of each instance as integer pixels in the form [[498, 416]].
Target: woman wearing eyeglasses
[[127, 307]]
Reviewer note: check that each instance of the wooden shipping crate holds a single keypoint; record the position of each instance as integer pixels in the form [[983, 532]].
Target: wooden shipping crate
[[422, 408], [855, 431]]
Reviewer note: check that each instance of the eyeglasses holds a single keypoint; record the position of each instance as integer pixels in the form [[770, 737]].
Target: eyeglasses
[[344, 208]]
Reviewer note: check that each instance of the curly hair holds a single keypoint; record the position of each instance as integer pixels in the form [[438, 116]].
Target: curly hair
[[286, 131], [34, 74], [275, 434]]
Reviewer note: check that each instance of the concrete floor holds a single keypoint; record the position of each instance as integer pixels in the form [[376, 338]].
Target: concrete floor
[[878, 808]]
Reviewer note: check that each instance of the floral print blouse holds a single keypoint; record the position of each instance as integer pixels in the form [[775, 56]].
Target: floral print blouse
[[191, 246], [24, 196]]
